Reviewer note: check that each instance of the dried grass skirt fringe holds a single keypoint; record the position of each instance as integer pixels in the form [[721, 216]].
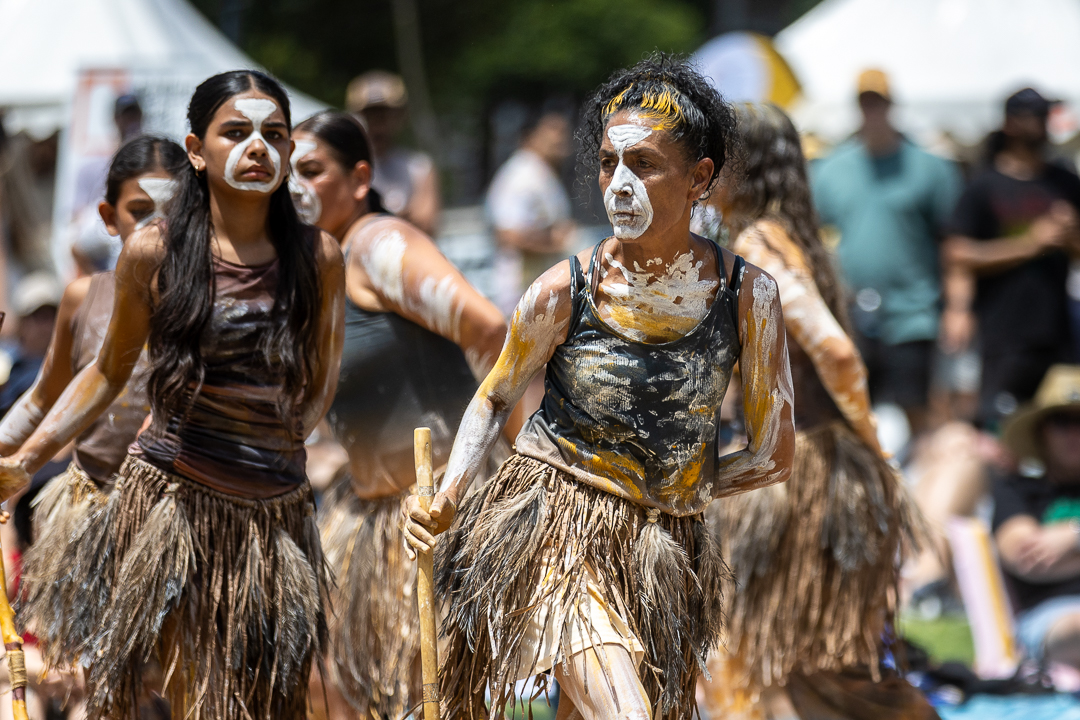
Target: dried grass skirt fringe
[[225, 592], [816, 561], [374, 628], [663, 578]]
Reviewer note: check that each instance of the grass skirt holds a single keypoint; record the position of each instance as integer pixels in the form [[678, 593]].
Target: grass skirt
[[226, 593], [663, 578], [374, 629], [816, 561]]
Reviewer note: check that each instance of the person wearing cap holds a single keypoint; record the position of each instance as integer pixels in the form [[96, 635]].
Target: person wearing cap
[[405, 179], [1007, 260], [890, 201], [37, 296], [1037, 519]]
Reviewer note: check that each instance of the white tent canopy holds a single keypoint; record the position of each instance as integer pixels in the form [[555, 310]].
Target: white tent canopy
[[45, 43], [952, 63]]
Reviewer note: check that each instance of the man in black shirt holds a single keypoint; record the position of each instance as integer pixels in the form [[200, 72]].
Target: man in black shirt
[[1037, 520], [1007, 260]]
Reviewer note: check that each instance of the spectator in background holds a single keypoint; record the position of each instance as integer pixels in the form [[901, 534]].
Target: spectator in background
[[1037, 520], [1007, 260], [36, 299], [529, 209], [890, 201], [405, 179]]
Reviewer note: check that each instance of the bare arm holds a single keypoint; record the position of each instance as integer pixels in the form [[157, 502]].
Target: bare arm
[[424, 205], [1038, 553], [331, 334], [56, 373], [809, 320], [538, 327], [93, 389], [767, 395]]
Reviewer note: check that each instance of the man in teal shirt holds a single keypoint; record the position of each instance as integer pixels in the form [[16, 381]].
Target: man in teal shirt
[[889, 200]]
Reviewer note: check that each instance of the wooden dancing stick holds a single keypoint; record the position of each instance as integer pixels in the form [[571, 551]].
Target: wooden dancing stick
[[13, 644], [425, 586]]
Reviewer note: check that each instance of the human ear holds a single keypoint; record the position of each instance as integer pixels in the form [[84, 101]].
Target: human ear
[[361, 174], [108, 216], [194, 151], [700, 177]]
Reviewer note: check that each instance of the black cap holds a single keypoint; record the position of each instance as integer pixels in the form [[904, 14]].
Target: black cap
[[1028, 102], [126, 102]]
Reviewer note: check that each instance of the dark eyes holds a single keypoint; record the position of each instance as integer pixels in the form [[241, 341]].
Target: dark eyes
[[140, 213], [238, 134]]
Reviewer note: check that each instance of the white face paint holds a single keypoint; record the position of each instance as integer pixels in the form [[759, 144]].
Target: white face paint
[[256, 110], [161, 191], [303, 192], [626, 200]]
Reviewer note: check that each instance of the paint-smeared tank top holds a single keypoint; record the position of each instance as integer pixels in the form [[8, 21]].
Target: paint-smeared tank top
[[638, 420], [101, 448], [233, 438], [396, 376]]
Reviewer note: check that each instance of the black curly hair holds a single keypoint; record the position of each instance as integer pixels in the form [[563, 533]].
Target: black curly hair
[[774, 187], [669, 88]]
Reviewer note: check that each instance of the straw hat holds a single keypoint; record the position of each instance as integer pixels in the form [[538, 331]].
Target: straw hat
[[1059, 390]]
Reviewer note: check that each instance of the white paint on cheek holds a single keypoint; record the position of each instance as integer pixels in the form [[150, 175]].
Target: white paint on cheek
[[256, 110], [626, 200], [161, 191], [383, 261], [306, 200]]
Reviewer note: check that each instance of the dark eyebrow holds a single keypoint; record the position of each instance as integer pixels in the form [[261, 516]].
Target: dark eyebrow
[[274, 124], [236, 123]]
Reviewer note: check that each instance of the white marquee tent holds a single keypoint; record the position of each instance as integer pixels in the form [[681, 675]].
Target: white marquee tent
[[952, 62], [45, 43]]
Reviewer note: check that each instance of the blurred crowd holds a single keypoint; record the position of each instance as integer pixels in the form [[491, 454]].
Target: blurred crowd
[[963, 281]]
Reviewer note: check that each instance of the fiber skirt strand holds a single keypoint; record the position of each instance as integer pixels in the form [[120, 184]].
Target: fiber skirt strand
[[663, 578], [816, 561], [226, 593], [374, 629]]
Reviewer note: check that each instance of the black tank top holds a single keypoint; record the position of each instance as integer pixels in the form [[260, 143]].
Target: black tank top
[[638, 420], [396, 376]]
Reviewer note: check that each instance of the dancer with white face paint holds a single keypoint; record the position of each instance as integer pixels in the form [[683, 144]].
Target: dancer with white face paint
[[204, 556], [586, 558], [417, 339], [138, 186]]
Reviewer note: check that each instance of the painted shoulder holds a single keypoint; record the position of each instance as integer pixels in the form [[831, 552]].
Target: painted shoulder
[[549, 297], [771, 238]]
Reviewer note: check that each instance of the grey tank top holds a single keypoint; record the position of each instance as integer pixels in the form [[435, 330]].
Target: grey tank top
[[638, 420]]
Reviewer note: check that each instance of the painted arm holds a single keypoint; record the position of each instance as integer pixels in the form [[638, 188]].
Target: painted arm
[[331, 334], [767, 395], [56, 373], [1038, 553], [94, 389], [538, 327], [809, 320]]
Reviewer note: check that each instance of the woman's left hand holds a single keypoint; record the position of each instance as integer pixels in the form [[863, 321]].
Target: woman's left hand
[[13, 477]]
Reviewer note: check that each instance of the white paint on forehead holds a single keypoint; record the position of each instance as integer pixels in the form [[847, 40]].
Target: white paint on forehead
[[303, 147], [624, 136], [257, 110], [161, 191]]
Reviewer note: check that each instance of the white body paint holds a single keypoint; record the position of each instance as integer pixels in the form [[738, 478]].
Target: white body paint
[[303, 194], [626, 193], [21, 421], [161, 191], [256, 110], [676, 292]]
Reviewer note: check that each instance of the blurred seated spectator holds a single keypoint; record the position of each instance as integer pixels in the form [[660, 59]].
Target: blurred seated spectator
[[406, 179], [890, 201], [529, 209], [1007, 260], [1037, 520], [36, 299]]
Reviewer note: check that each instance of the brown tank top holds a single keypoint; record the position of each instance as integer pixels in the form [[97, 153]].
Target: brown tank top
[[233, 438], [101, 448]]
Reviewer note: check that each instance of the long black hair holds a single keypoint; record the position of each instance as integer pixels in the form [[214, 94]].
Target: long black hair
[[348, 143], [140, 155], [186, 276], [774, 187], [668, 88]]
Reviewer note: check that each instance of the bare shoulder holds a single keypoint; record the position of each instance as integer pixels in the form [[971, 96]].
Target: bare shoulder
[[548, 299], [75, 294], [758, 289], [327, 251], [768, 241]]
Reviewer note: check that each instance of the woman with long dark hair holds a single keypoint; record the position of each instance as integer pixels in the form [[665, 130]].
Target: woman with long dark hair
[[414, 327], [816, 560], [206, 556], [586, 557], [140, 182]]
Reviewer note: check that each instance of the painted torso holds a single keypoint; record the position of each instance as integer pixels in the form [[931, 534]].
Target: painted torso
[[637, 419], [233, 438], [101, 448]]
